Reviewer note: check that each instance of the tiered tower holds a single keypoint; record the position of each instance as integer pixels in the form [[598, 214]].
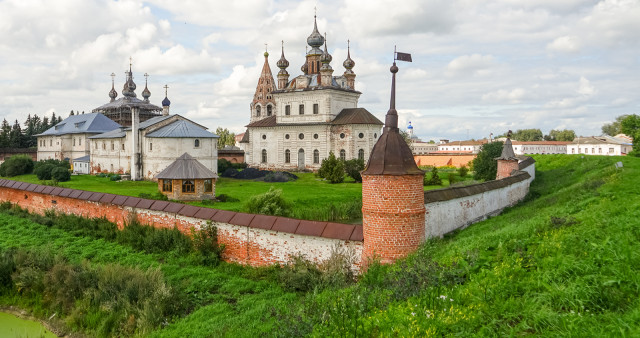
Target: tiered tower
[[326, 72], [263, 104], [392, 194], [507, 162], [348, 66], [283, 75], [313, 58]]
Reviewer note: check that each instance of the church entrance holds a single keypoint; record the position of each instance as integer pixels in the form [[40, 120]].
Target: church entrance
[[301, 159]]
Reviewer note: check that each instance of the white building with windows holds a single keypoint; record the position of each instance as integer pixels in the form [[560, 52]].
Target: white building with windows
[[296, 124], [600, 145], [539, 147], [471, 146]]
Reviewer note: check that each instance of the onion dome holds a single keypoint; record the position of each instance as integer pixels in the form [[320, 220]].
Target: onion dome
[[166, 102], [348, 63], [146, 93], [113, 93], [315, 39], [305, 68], [282, 63], [409, 126], [129, 85], [326, 57]]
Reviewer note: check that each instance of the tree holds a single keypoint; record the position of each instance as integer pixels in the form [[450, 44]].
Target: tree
[[527, 135], [614, 128], [353, 168], [630, 126], [332, 169], [5, 130], [16, 138], [434, 179], [560, 135], [227, 138], [407, 138], [484, 165]]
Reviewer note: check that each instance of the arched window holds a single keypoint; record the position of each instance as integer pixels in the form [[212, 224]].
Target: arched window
[[343, 154], [258, 110], [287, 156], [361, 154], [196, 143], [316, 156], [269, 110], [264, 156]]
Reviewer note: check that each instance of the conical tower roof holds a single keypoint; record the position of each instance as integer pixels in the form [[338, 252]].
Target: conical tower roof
[[265, 86]]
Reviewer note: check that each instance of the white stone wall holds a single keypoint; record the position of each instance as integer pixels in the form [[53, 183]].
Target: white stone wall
[[521, 149], [330, 104], [69, 146], [159, 153], [446, 216], [598, 149]]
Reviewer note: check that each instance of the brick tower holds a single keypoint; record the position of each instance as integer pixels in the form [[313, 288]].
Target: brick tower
[[392, 194], [507, 162]]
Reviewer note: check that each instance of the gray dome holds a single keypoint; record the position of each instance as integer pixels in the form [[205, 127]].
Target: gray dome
[[315, 39]]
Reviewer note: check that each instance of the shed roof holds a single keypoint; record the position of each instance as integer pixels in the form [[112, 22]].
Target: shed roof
[[186, 167], [84, 123], [85, 158]]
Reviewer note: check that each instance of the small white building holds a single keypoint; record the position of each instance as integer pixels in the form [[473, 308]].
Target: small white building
[[80, 165], [539, 147], [600, 145], [421, 148]]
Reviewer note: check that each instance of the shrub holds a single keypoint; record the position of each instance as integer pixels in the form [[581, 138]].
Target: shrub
[[452, 178], [115, 177], [154, 196], [332, 169], [205, 242], [59, 174], [56, 163], [353, 168], [16, 165], [43, 172], [484, 165], [223, 165], [226, 198], [434, 179], [269, 203], [463, 171]]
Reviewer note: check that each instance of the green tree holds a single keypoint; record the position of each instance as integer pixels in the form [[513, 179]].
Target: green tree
[[353, 168], [484, 165], [560, 135], [434, 179], [407, 138], [227, 138], [5, 130], [614, 128], [527, 135], [16, 138], [332, 169], [630, 126]]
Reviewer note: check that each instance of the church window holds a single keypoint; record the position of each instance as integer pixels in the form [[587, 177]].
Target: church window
[[167, 185], [74, 141], [301, 136], [315, 108], [315, 136], [317, 65], [287, 110], [113, 147], [341, 135], [286, 136], [150, 146], [316, 156], [287, 156], [343, 155], [79, 141], [196, 143], [258, 110], [269, 110], [361, 135], [95, 145], [208, 185], [122, 146], [188, 187], [104, 146], [264, 136], [264, 156], [301, 109], [361, 154], [50, 143], [611, 150], [375, 135]]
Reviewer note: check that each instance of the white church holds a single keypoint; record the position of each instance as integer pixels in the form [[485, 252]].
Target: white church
[[295, 125]]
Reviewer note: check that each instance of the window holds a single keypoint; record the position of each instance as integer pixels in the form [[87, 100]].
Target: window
[[301, 109], [343, 154], [287, 110], [315, 136], [361, 154], [315, 108], [301, 136], [150, 146], [264, 136], [599, 150], [316, 156], [113, 147], [208, 185], [79, 141], [264, 156], [50, 143], [95, 145], [375, 135], [593, 150], [196, 143], [287, 156], [286, 136], [104, 146], [122, 146], [167, 185], [258, 110], [341, 135], [188, 187], [74, 141], [361, 135], [269, 110], [611, 151]]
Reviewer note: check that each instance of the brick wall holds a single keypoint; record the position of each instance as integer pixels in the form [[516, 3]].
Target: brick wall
[[505, 168], [249, 239], [393, 215]]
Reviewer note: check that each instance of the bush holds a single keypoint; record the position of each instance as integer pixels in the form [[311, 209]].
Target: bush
[[205, 242], [16, 165], [226, 198], [56, 163], [223, 165], [43, 172], [484, 165], [353, 168], [269, 203], [115, 177], [59, 174], [302, 275], [332, 169], [434, 179], [463, 171], [452, 178], [154, 196]]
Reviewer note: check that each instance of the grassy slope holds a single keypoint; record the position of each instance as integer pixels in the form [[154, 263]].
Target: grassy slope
[[566, 262]]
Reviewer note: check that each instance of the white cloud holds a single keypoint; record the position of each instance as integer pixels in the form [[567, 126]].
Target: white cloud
[[474, 64], [568, 44], [508, 96]]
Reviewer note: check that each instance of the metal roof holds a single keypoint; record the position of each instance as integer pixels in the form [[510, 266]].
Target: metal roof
[[186, 167], [507, 152], [605, 139], [116, 133], [346, 116], [85, 158], [127, 102], [182, 128], [84, 123]]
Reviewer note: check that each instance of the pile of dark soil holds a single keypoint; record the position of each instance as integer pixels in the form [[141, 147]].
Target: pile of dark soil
[[260, 175]]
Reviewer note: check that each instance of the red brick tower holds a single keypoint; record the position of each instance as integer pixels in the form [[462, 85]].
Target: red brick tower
[[507, 162], [392, 194]]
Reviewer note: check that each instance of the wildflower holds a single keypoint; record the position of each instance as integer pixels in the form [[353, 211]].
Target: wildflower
[[413, 314]]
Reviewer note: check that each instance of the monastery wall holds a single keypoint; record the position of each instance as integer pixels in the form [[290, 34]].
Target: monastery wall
[[256, 240]]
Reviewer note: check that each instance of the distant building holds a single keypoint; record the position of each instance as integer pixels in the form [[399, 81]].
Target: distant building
[[539, 147], [81, 165], [471, 147], [422, 148], [186, 179], [600, 145]]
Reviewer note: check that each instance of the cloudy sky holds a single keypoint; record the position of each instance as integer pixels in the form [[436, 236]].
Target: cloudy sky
[[479, 66]]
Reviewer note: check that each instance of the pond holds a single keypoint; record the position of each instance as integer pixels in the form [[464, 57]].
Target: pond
[[12, 326]]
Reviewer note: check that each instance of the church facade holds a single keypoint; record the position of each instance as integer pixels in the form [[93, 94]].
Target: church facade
[[295, 124]]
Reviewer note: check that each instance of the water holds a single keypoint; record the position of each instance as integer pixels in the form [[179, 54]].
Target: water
[[14, 327]]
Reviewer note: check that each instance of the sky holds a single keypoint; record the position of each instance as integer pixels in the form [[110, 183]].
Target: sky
[[479, 67]]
